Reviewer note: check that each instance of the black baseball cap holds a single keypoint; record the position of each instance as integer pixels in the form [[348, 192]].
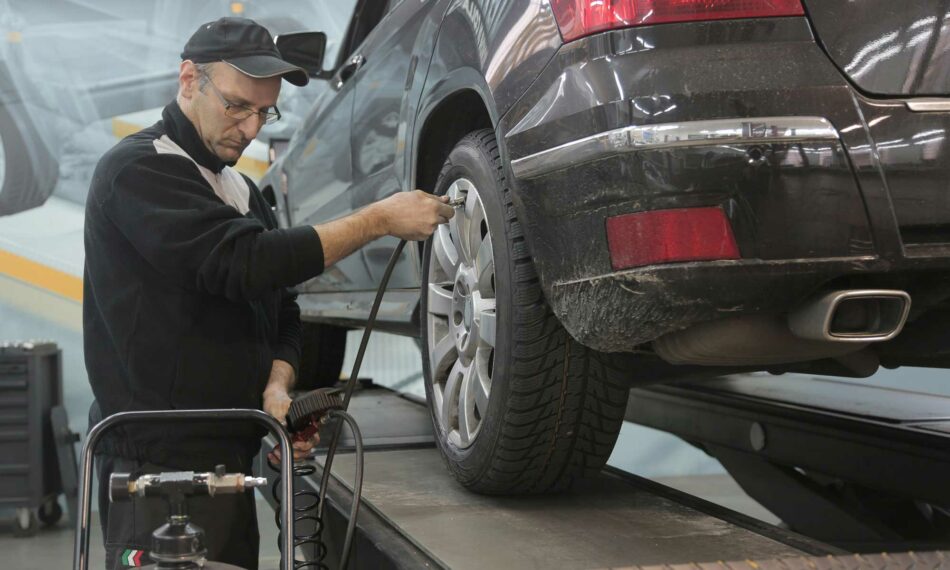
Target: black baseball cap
[[244, 45]]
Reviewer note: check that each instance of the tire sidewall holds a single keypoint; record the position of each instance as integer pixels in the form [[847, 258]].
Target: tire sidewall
[[24, 186], [469, 159], [11, 145]]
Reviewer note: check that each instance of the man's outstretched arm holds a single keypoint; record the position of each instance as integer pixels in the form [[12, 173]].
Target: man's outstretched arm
[[406, 215]]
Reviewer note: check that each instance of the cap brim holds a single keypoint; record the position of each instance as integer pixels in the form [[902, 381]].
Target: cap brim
[[264, 66]]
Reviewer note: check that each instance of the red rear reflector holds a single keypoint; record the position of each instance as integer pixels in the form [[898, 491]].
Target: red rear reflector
[[579, 18], [665, 236]]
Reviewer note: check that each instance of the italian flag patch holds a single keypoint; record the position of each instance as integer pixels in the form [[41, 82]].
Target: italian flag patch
[[132, 557]]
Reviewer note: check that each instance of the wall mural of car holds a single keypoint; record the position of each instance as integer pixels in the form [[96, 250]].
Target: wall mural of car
[[68, 65], [654, 190]]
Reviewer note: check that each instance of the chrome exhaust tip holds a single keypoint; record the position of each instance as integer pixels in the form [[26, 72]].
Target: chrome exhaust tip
[[856, 315]]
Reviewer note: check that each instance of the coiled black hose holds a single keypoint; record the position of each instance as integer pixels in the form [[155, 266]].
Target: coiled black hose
[[318, 500]]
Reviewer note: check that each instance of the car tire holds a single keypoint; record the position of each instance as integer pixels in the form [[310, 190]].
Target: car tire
[[25, 181], [548, 410], [322, 348]]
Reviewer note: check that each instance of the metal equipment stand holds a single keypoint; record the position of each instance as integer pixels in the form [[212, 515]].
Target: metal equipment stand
[[277, 432]]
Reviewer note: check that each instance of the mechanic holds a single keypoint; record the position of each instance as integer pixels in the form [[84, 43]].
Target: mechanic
[[187, 300]]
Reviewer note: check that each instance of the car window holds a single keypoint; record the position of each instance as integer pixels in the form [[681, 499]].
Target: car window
[[368, 14], [331, 17]]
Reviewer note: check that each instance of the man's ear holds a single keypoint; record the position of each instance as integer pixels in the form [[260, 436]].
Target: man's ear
[[187, 79]]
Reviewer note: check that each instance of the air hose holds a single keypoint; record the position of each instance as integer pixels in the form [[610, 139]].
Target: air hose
[[330, 403]]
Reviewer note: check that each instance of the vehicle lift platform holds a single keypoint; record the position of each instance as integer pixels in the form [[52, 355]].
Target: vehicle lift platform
[[776, 439]]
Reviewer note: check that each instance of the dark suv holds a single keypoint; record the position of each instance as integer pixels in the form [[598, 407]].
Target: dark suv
[[653, 189]]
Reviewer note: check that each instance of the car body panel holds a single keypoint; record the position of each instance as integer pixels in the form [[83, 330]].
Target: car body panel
[[383, 88], [809, 208], [324, 163], [802, 215], [886, 47], [613, 80], [448, 46], [907, 153], [495, 50]]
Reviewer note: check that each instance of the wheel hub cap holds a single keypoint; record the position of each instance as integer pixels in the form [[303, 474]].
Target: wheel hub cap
[[460, 317]]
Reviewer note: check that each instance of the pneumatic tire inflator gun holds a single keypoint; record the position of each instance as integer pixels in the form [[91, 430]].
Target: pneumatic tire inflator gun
[[309, 411]]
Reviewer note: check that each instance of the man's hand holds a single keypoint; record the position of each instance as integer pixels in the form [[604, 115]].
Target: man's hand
[[301, 450], [277, 393], [406, 215], [412, 215], [277, 403]]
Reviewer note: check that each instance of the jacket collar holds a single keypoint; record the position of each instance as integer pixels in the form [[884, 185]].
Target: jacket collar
[[180, 129]]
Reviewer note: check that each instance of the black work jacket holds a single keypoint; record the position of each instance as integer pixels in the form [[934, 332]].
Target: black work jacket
[[186, 300]]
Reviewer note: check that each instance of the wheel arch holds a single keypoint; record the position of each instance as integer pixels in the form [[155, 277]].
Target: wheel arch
[[461, 103], [457, 108]]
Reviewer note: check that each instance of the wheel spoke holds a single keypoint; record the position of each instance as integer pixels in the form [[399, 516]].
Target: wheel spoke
[[445, 251], [439, 300], [485, 267], [486, 321], [480, 382], [471, 199], [457, 230], [466, 411], [438, 399], [454, 192], [451, 397], [475, 214], [442, 355]]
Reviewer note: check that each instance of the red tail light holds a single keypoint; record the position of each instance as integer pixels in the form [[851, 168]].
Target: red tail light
[[666, 236], [579, 18]]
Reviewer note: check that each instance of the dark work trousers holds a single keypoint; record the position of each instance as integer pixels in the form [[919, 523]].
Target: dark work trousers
[[229, 521]]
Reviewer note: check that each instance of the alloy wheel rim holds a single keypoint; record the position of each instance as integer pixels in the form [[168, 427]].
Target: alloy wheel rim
[[460, 317]]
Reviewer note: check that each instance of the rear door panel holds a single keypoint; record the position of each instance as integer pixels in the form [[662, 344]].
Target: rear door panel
[[378, 138], [322, 175]]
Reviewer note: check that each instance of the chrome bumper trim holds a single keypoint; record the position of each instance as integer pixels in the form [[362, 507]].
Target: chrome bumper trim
[[757, 130], [930, 105]]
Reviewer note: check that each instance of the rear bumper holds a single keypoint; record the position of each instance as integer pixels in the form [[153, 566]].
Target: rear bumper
[[748, 116], [617, 311]]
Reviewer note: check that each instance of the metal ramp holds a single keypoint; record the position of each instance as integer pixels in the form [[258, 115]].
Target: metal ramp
[[414, 515], [862, 467]]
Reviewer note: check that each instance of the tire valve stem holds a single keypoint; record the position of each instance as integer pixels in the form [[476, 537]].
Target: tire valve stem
[[457, 203]]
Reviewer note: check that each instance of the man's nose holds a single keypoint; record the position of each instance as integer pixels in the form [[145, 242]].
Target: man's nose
[[250, 126]]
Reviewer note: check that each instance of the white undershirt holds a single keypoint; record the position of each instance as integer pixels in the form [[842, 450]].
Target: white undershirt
[[229, 185]]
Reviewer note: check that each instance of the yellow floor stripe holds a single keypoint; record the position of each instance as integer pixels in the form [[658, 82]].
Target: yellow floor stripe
[[122, 129], [40, 303], [251, 166], [39, 275]]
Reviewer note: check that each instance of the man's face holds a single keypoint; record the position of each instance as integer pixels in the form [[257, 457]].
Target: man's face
[[226, 136]]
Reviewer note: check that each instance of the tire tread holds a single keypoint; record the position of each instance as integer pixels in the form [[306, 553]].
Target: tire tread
[[565, 402]]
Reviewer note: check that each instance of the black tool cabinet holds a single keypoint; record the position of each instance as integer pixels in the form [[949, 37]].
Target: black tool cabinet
[[30, 385]]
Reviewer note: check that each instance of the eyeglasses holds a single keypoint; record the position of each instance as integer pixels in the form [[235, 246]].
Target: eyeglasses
[[241, 112]]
